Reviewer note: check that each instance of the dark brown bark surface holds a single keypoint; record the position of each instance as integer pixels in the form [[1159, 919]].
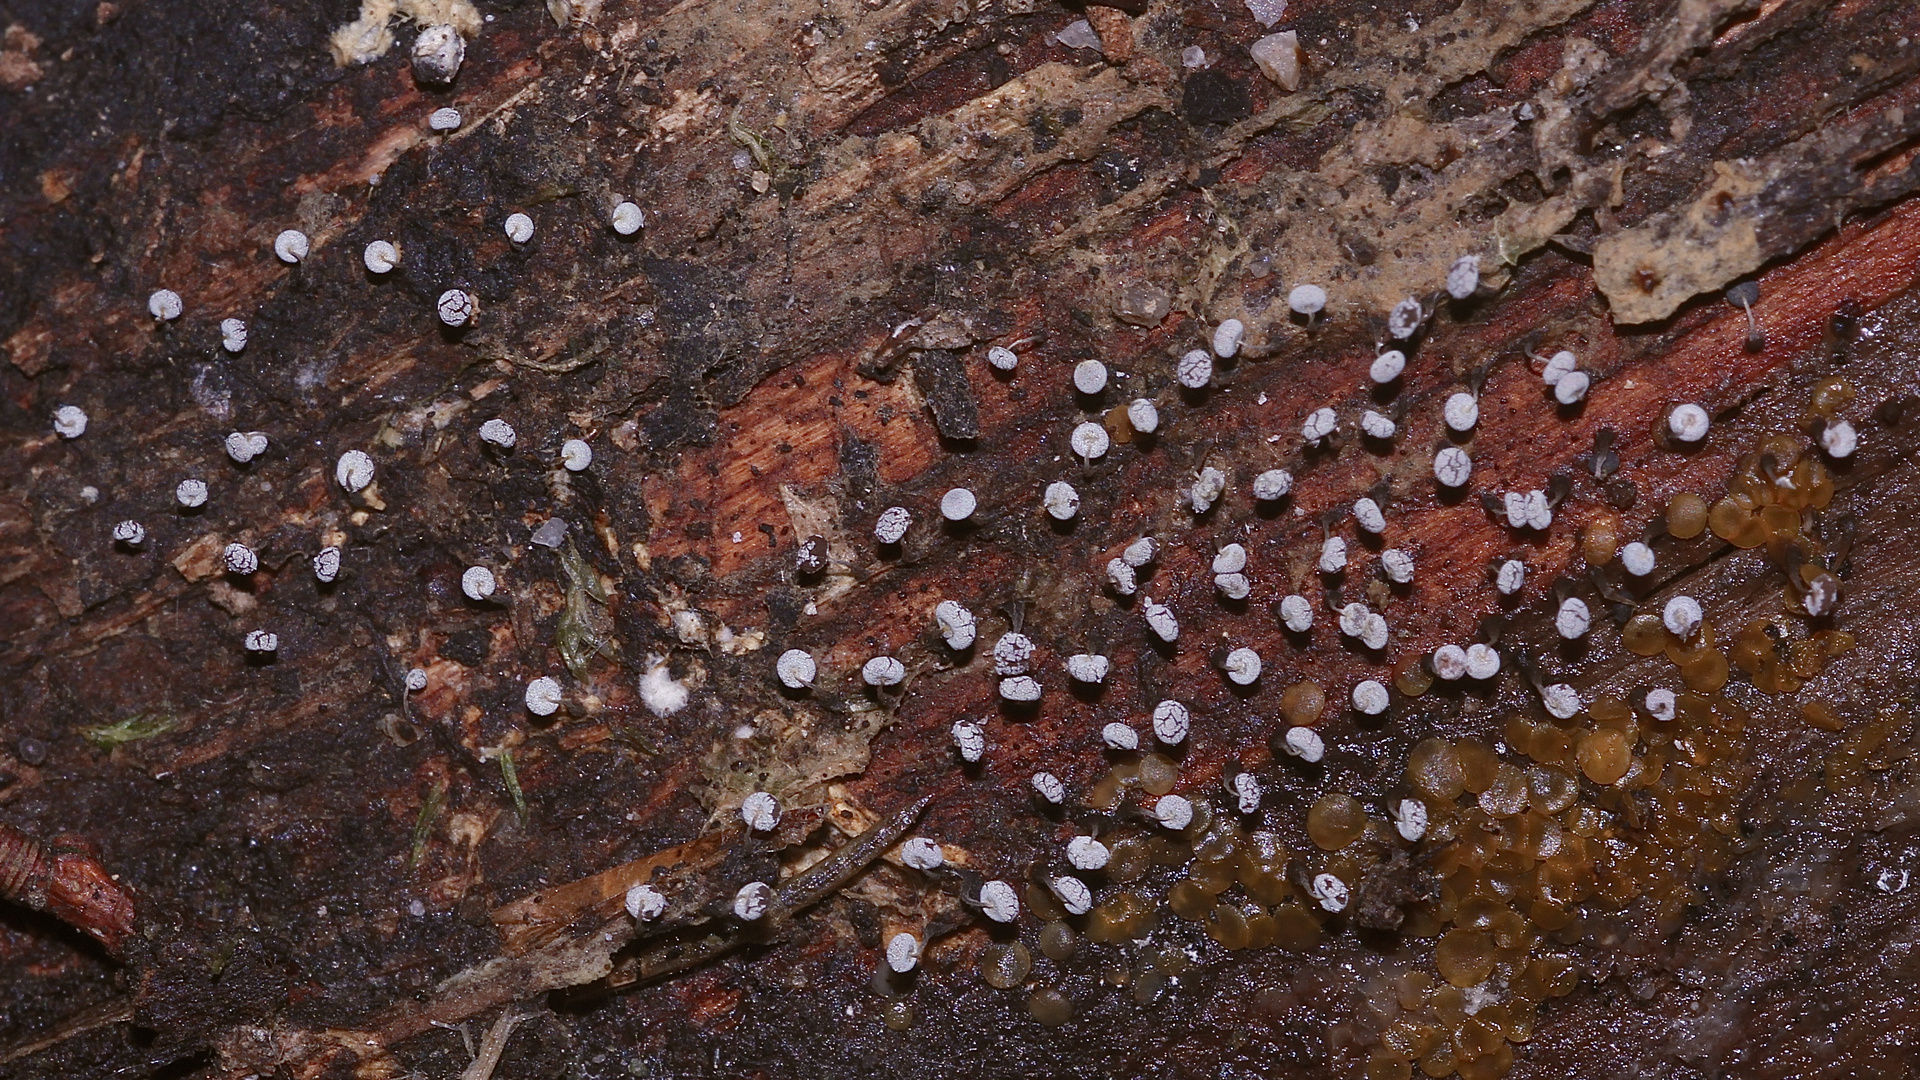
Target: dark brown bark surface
[[847, 204]]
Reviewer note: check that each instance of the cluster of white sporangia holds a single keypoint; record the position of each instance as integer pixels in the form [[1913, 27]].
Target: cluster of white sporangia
[[1125, 574], [1089, 440], [354, 473], [455, 307]]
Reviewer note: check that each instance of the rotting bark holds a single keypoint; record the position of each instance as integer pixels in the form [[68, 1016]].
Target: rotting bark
[[840, 197]]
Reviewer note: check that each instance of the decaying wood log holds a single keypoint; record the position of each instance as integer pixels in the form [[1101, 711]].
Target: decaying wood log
[[358, 847]]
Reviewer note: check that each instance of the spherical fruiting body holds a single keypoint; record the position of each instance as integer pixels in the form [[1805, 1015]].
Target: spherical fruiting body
[[760, 811], [380, 257], [1319, 424], [1242, 666], [1463, 277], [883, 671], [1370, 697], [1062, 502], [646, 903], [1305, 744], [354, 470], [1161, 621], [1573, 619], [1090, 441], [1839, 440], [1561, 701], [244, 446], [326, 565], [1405, 318], [1462, 412], [1452, 467], [999, 901], [1021, 689], [1089, 376], [922, 854], [1012, 653], [1682, 617], [1207, 489], [1171, 722], [498, 433], [752, 901], [477, 583], [240, 560], [1483, 661], [1296, 613], [1367, 515], [891, 526], [165, 305], [970, 740], [1397, 565], [1227, 337], [291, 246], [1689, 423], [1333, 555], [1637, 559], [1086, 853], [69, 421], [1049, 787], [1195, 369], [455, 307], [1087, 668], [796, 669], [543, 696], [957, 625], [1174, 812], [1410, 819], [1511, 576], [1330, 891], [1272, 484], [1246, 792], [958, 504], [903, 952]]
